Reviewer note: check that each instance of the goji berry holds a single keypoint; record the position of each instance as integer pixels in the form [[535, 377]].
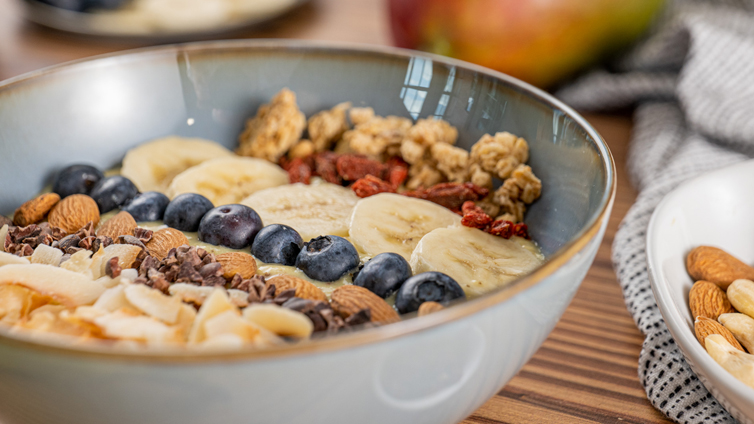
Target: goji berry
[[298, 171], [450, 195], [353, 167], [371, 185], [501, 228], [397, 171], [324, 166], [521, 230]]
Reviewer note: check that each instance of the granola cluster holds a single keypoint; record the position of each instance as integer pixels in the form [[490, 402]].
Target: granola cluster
[[276, 127], [392, 154]]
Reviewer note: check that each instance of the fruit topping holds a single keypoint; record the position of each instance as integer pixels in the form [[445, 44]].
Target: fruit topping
[[390, 222], [429, 286], [153, 165], [277, 244], [450, 195], [76, 179], [233, 226], [384, 274], [327, 258], [185, 211], [149, 206], [113, 192], [371, 185]]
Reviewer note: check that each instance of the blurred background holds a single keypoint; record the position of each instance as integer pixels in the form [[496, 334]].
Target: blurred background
[[543, 42]]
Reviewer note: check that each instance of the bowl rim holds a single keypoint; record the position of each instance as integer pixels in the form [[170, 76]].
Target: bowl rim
[[365, 336], [686, 340]]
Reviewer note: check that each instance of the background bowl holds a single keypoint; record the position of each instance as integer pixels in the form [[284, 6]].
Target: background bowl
[[436, 369], [678, 225], [134, 26]]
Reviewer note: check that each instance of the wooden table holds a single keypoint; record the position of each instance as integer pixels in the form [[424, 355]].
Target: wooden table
[[585, 371]]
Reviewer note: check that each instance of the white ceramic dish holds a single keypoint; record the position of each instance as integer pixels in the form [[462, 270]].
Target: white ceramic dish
[[714, 209], [134, 25]]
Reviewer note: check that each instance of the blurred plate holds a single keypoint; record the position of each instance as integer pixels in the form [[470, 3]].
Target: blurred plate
[[162, 19]]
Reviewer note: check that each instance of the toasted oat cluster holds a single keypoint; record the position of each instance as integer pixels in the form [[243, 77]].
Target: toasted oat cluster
[[313, 227]]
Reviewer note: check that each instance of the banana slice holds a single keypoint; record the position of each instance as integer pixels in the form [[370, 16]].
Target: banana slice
[[312, 210], [228, 180], [152, 166], [389, 222], [478, 261]]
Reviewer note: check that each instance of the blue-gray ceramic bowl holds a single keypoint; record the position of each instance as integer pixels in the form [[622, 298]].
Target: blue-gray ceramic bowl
[[435, 369]]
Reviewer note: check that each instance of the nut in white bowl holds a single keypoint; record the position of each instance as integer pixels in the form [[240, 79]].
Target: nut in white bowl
[[679, 225]]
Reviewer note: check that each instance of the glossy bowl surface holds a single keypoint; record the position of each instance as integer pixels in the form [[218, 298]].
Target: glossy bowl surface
[[677, 226], [436, 369]]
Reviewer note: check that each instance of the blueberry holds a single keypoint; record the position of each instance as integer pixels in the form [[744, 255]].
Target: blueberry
[[233, 226], [76, 179], [383, 274], [427, 286], [277, 244], [149, 206], [327, 258], [186, 211], [113, 192]]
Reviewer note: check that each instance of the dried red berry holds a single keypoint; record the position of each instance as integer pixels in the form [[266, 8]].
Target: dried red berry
[[299, 171], [521, 230], [324, 166], [354, 167], [371, 185], [450, 195], [397, 171], [501, 228], [474, 216]]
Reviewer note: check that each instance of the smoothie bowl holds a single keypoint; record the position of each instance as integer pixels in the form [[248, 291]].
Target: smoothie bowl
[[219, 231]]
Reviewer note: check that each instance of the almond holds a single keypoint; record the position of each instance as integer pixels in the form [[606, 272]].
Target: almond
[[716, 266], [120, 225], [708, 300], [742, 328], [74, 212], [35, 209], [237, 263], [704, 326], [427, 308], [165, 239], [350, 299], [741, 296], [304, 289]]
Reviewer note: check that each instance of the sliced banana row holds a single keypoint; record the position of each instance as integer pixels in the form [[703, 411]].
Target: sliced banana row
[[152, 166], [312, 210]]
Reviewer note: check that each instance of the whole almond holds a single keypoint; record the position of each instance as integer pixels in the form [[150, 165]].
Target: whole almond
[[708, 300], [35, 209], [165, 239], [427, 308], [74, 212], [237, 263], [120, 225], [348, 300], [716, 266], [704, 326], [304, 289]]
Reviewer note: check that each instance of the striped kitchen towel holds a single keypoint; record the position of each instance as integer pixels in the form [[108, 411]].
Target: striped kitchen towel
[[692, 85]]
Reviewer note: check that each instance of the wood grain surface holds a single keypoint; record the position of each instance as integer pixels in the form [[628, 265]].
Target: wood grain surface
[[586, 370]]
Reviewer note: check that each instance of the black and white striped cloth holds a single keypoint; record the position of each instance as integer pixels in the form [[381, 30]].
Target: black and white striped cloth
[[692, 83]]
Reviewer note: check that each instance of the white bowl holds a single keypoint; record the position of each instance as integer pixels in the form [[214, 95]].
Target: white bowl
[[714, 209]]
